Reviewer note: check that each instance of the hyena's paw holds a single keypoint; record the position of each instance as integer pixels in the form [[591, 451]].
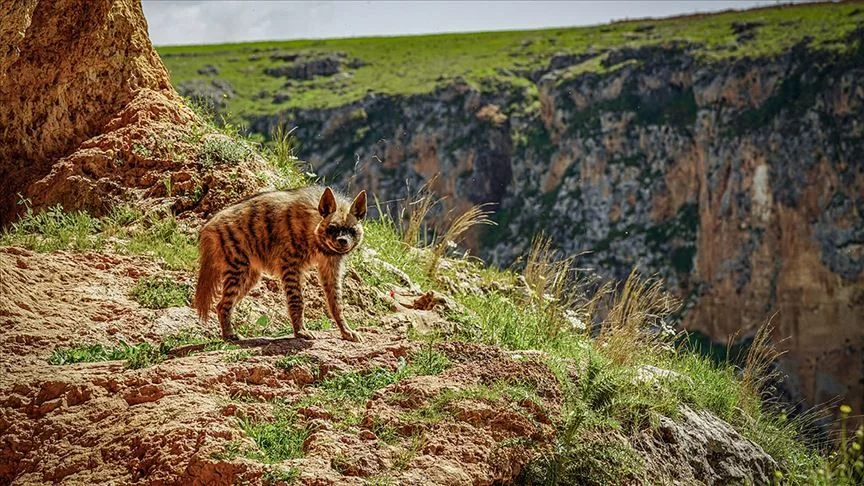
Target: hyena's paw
[[304, 334], [231, 337], [350, 335]]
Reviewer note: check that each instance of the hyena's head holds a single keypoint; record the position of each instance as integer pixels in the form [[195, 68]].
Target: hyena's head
[[340, 230]]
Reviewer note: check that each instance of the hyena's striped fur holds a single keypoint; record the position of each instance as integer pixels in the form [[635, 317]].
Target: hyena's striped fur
[[281, 233]]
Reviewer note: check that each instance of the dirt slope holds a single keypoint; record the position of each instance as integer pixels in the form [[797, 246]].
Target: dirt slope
[[180, 421], [86, 423]]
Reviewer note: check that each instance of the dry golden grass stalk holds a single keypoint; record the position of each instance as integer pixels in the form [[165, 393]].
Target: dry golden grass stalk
[[636, 313], [760, 357], [545, 271], [557, 288], [475, 215], [416, 210]]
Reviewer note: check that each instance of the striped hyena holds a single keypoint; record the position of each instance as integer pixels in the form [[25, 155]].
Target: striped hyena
[[282, 233]]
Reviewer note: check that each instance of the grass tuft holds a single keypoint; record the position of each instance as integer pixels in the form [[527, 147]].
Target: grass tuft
[[137, 356], [283, 157], [473, 216], [54, 229], [761, 356], [163, 238], [637, 319], [277, 440], [219, 150], [124, 229], [278, 475], [161, 293], [414, 214]]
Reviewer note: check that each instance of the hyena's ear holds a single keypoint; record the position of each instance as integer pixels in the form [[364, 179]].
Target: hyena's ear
[[358, 207], [327, 204]]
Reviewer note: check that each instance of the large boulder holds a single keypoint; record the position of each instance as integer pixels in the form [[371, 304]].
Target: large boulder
[[89, 115]]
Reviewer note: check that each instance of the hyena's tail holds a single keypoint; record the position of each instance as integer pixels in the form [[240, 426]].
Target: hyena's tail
[[208, 272]]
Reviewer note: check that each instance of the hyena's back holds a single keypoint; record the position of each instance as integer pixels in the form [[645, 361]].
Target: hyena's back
[[253, 236]]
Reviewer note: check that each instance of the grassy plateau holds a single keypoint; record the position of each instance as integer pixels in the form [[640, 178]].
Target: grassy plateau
[[409, 65]]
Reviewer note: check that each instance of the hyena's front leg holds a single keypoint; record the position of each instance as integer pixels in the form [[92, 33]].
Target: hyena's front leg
[[292, 283], [331, 281]]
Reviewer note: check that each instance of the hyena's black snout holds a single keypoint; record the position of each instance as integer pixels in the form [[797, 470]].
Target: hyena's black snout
[[343, 241]]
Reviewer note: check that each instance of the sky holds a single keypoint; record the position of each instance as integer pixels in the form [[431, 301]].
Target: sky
[[210, 22]]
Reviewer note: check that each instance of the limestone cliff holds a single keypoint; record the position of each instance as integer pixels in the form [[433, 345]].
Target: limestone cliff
[[739, 181]]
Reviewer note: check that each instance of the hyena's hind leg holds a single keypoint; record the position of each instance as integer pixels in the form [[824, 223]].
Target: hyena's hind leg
[[292, 282], [236, 283]]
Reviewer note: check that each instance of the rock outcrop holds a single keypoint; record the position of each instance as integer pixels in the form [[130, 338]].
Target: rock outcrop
[[739, 181], [90, 118]]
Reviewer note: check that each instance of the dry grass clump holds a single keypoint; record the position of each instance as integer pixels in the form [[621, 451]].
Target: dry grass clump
[[473, 216], [415, 211], [558, 289], [637, 316]]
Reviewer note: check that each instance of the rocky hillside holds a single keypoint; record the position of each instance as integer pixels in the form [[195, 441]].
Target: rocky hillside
[[466, 374], [722, 152]]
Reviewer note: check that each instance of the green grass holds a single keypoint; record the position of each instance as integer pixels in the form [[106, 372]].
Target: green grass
[[407, 454], [161, 293], [230, 450], [418, 64], [606, 404], [342, 394], [90, 353], [238, 356], [495, 392], [162, 237], [136, 356], [502, 320], [289, 361], [276, 440], [234, 146], [54, 229], [590, 461], [223, 151], [289, 476], [124, 230], [360, 386], [382, 236]]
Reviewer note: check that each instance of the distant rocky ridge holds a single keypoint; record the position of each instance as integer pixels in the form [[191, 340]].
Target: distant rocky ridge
[[740, 182]]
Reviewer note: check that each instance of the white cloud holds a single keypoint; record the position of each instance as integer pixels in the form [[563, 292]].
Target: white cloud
[[208, 22]]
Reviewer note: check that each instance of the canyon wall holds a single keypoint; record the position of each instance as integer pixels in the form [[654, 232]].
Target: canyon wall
[[740, 182]]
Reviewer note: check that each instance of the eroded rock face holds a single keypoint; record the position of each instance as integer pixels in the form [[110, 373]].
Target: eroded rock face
[[740, 182], [55, 98], [715, 452], [90, 118], [394, 146]]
